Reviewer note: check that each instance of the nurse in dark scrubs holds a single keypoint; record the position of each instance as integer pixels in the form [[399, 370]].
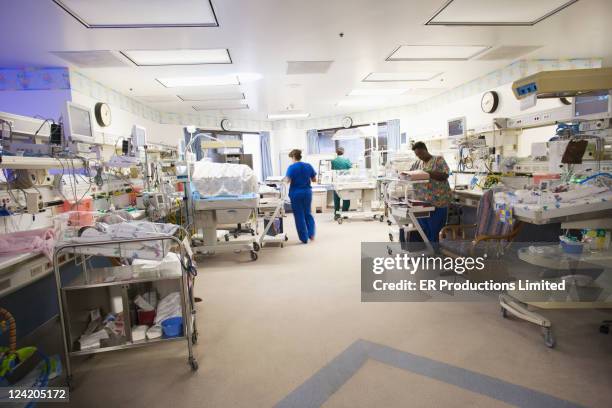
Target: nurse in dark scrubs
[[300, 175]]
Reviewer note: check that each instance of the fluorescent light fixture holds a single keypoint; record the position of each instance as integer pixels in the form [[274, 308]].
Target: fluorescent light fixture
[[141, 13], [288, 115], [497, 13], [143, 58], [226, 96], [377, 92], [436, 52], [158, 98], [174, 82], [222, 105], [401, 76], [360, 102]]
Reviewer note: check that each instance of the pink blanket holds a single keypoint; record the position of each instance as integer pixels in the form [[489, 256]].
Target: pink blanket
[[39, 240]]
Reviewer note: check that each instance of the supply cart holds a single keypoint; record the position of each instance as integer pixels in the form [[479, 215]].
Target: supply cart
[[92, 286], [272, 209]]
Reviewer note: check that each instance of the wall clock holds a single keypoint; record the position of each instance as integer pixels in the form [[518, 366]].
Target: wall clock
[[347, 122], [489, 102], [226, 124], [103, 114]]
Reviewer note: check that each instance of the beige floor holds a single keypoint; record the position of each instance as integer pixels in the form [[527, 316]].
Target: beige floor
[[267, 326]]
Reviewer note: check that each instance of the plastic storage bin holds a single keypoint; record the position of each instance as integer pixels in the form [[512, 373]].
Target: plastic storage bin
[[173, 327], [571, 247]]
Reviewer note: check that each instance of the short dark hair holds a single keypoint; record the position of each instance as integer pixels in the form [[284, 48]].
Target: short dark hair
[[296, 154], [339, 151], [419, 145]]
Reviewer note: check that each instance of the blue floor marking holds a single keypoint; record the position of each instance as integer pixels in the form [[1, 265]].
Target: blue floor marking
[[329, 379]]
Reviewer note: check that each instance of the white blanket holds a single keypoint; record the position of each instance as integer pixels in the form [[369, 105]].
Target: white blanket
[[223, 179]]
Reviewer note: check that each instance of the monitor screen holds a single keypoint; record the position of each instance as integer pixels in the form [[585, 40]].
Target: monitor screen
[[456, 127], [80, 121], [591, 105]]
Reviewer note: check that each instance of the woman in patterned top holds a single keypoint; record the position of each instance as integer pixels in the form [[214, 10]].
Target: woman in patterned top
[[437, 191]]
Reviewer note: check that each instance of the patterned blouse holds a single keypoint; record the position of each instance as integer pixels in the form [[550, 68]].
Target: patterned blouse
[[436, 192]]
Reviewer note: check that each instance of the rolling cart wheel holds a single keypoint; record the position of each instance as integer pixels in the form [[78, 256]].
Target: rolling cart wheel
[[194, 337], [286, 238], [382, 218], [235, 235], [549, 339], [339, 220], [226, 237], [256, 247], [504, 313], [375, 216], [252, 232], [254, 256], [389, 222], [193, 363], [391, 237], [389, 251]]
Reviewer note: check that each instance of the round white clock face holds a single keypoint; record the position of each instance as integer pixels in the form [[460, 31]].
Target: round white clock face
[[226, 124], [347, 122], [103, 114], [489, 102]]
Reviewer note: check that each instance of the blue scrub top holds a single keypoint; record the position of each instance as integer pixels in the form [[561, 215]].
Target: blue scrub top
[[300, 174]]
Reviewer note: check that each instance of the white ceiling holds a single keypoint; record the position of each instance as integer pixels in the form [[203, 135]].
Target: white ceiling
[[263, 35]]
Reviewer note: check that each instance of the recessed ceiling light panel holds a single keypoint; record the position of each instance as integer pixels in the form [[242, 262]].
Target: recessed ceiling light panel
[[141, 13], [401, 76], [288, 115], [178, 57], [158, 98], [174, 82], [221, 105], [377, 92], [436, 52], [361, 102], [92, 58], [497, 13], [226, 96]]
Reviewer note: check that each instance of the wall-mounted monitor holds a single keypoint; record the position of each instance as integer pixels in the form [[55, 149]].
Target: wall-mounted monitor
[[79, 126], [593, 106], [456, 128]]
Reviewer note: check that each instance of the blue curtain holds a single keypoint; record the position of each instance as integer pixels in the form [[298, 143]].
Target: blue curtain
[[393, 135], [266, 155], [312, 141], [196, 147]]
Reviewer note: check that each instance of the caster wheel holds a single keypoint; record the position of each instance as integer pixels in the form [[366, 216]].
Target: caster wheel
[[381, 219], [549, 339], [375, 217], [194, 364], [286, 238], [389, 222], [194, 337], [389, 251], [339, 221], [391, 237], [256, 247], [504, 313], [69, 383], [226, 238], [254, 256], [235, 235]]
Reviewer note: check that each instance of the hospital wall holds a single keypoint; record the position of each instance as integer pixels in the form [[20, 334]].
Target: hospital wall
[[48, 104]]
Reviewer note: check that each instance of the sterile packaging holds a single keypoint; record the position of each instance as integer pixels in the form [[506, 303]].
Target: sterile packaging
[[139, 333]]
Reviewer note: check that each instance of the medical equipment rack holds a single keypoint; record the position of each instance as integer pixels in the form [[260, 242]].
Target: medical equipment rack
[[271, 211], [188, 313]]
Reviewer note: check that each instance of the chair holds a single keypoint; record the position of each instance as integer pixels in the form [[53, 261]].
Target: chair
[[456, 240]]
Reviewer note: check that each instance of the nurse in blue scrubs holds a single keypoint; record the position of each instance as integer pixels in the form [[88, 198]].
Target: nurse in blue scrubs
[[299, 175]]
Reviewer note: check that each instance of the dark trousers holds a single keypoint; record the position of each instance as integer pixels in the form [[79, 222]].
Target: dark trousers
[[346, 204], [301, 202]]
